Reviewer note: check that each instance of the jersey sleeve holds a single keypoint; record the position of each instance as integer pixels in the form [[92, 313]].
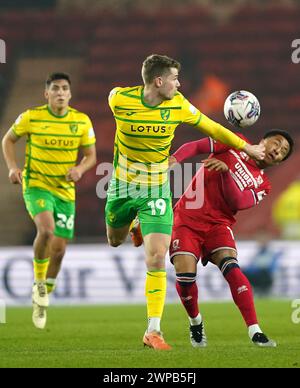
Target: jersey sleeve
[[239, 199], [88, 137], [261, 192], [220, 133], [21, 126], [191, 149], [216, 147], [112, 98], [190, 114]]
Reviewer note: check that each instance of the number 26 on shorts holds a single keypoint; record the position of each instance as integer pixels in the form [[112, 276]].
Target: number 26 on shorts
[[65, 222]]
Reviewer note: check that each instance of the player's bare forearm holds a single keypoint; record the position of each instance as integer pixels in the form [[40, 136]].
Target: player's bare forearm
[[87, 162], [8, 148], [89, 159]]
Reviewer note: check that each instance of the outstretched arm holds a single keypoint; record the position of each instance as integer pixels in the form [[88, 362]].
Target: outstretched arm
[[193, 148], [8, 147], [218, 132]]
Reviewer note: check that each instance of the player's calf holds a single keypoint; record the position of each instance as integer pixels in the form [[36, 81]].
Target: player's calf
[[188, 292], [241, 291]]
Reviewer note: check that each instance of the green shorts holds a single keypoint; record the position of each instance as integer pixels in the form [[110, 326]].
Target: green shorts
[[40, 200], [155, 212]]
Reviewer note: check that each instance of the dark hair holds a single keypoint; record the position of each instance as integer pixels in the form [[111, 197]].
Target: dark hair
[[286, 135], [156, 65], [55, 76]]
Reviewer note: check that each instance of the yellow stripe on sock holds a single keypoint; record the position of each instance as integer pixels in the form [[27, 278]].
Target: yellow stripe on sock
[[40, 268], [155, 291]]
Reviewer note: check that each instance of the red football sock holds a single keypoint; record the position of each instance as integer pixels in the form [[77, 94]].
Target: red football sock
[[188, 293], [242, 295]]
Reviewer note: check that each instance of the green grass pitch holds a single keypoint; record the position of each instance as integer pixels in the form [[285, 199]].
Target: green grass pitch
[[110, 336]]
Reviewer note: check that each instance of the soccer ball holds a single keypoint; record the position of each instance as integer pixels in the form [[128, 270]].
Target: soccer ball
[[241, 109]]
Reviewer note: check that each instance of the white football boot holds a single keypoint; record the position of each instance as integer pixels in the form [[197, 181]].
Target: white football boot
[[40, 302]]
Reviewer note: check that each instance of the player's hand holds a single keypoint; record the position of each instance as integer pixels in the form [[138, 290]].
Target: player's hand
[[257, 152], [74, 174], [215, 164], [172, 161], [15, 176]]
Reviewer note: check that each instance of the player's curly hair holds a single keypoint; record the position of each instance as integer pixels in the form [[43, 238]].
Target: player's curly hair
[[156, 65]]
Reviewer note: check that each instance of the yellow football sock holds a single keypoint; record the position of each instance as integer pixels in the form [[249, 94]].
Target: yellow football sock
[[40, 268], [155, 290]]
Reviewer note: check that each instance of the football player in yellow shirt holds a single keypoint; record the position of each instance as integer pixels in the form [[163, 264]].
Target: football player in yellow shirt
[[146, 118], [55, 132]]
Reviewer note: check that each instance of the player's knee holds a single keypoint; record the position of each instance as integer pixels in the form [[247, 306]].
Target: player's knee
[[156, 259], [46, 232], [228, 264], [114, 241], [185, 278]]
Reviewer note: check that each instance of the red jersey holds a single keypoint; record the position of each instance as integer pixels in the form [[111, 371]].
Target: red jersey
[[215, 207]]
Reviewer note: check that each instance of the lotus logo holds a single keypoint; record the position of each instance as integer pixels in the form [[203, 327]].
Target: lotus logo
[[2, 51]]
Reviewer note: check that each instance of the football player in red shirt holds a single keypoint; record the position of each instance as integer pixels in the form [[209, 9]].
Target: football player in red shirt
[[229, 181]]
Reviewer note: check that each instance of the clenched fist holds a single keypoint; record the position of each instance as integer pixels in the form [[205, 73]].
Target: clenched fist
[[15, 176]]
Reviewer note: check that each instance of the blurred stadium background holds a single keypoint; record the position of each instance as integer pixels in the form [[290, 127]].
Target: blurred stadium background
[[223, 46]]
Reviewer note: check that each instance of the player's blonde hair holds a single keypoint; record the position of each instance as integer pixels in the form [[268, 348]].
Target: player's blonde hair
[[156, 65]]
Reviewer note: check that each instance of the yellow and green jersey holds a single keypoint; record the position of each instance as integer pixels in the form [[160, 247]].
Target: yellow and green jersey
[[52, 147], [144, 133]]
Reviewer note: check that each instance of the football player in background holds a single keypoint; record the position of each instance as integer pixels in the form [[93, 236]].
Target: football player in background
[[55, 133]]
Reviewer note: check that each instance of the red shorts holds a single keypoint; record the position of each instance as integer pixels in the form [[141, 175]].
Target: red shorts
[[199, 240]]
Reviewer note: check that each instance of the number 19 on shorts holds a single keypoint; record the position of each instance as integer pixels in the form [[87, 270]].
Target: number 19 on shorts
[[158, 207]]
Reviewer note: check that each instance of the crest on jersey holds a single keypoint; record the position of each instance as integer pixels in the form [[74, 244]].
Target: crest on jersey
[[73, 128], [165, 114]]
